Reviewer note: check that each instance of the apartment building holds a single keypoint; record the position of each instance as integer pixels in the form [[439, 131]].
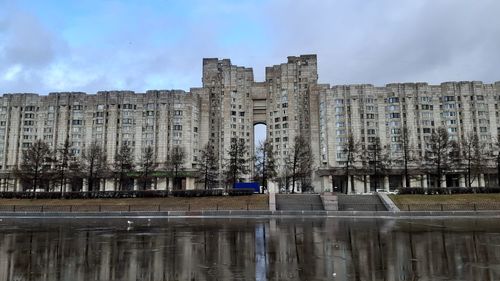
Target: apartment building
[[290, 102]]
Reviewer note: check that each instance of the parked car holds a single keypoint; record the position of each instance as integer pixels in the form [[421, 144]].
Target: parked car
[[37, 190], [395, 191]]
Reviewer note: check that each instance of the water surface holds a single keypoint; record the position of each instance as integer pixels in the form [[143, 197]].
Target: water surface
[[249, 249]]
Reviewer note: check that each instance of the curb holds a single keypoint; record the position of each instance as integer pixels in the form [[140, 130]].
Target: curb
[[257, 213]]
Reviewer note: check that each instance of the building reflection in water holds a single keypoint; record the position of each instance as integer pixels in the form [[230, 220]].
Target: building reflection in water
[[250, 249]]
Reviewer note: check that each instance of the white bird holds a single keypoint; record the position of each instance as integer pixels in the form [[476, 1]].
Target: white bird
[[334, 274], [130, 222]]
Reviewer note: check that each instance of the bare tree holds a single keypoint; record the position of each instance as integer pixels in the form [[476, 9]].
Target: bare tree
[[209, 167], [496, 150], [63, 160], [439, 154], [407, 155], [35, 168], [237, 162], [376, 161], [350, 149], [473, 154], [265, 164], [299, 161], [124, 164], [94, 165], [147, 166], [175, 164]]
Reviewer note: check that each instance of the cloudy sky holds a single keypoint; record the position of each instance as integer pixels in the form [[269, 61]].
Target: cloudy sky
[[90, 45]]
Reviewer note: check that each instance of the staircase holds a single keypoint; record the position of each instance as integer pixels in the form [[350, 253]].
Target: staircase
[[360, 203], [299, 202]]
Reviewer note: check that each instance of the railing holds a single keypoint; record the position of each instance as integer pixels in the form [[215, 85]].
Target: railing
[[128, 208], [450, 207], [122, 194], [423, 207]]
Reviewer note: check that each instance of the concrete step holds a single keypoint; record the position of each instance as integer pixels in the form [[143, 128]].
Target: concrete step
[[360, 203], [299, 202]]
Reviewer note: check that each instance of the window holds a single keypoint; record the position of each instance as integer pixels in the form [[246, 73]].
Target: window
[[176, 113], [395, 131], [178, 127], [393, 100]]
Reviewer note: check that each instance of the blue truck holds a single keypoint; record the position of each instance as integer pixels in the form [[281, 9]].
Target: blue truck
[[248, 185]]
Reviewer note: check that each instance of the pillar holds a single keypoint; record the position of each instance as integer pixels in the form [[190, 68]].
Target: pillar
[[85, 186], [403, 181], [170, 184], [461, 181], [424, 181], [326, 183], [17, 185], [109, 185], [481, 182], [161, 183], [359, 186], [443, 181], [190, 183], [386, 183], [367, 184]]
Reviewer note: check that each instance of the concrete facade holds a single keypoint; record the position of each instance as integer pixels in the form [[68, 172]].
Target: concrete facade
[[228, 105]]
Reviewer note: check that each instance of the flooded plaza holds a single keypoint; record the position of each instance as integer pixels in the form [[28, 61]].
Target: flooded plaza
[[249, 249]]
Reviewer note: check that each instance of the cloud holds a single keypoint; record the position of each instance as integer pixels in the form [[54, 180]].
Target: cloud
[[104, 45], [392, 41]]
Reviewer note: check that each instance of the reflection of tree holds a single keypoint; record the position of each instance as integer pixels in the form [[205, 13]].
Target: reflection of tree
[[216, 250]]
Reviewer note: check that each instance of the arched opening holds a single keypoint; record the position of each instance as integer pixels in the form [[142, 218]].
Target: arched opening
[[259, 138], [259, 133]]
